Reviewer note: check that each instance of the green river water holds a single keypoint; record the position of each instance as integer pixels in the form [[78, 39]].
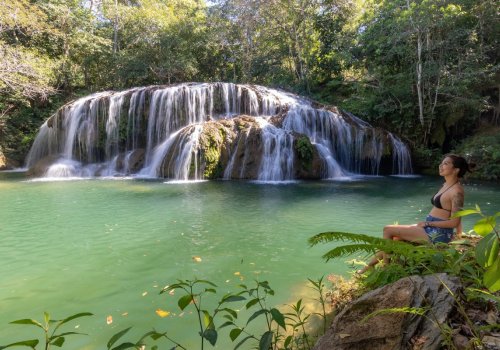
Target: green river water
[[108, 246]]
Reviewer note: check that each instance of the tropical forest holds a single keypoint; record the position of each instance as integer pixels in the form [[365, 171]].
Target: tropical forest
[[198, 174]]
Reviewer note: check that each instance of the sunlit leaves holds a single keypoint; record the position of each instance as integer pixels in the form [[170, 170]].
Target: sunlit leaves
[[485, 225], [51, 338], [492, 276]]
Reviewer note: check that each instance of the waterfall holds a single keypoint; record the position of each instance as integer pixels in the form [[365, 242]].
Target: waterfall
[[214, 130], [401, 160], [277, 158]]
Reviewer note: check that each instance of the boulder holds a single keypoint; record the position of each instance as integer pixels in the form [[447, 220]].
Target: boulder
[[41, 167], [394, 330]]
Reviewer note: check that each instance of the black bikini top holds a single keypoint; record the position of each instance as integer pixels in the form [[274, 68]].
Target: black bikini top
[[436, 199]]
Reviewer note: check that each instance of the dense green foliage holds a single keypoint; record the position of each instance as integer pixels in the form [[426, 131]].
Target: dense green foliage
[[484, 148], [426, 70]]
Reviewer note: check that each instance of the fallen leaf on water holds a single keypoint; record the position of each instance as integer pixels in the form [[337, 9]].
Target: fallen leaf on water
[[109, 319], [144, 294], [237, 273], [125, 314], [162, 313], [196, 259], [172, 292]]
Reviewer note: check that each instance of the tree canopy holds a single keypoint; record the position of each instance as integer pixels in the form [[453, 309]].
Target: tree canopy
[[425, 69]]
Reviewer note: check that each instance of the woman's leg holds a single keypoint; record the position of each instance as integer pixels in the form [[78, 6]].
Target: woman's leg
[[411, 233], [379, 256]]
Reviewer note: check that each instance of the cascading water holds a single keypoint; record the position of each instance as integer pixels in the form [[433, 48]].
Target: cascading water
[[217, 130]]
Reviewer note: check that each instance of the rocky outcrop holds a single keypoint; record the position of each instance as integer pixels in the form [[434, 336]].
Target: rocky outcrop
[[6, 163], [352, 328], [3, 161]]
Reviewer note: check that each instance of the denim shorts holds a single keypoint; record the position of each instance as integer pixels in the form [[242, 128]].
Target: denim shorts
[[438, 234]]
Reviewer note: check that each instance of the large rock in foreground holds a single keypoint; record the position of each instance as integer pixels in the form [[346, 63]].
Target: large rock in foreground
[[399, 330]]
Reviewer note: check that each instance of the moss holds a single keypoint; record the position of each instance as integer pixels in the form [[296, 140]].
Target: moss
[[210, 144], [305, 151]]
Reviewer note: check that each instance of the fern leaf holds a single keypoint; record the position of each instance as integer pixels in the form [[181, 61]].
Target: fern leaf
[[343, 236], [349, 249]]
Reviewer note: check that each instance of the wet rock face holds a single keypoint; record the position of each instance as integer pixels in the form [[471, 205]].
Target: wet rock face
[[394, 330], [41, 167]]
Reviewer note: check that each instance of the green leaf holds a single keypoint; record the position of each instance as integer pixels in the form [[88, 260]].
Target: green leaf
[[125, 346], [225, 324], [70, 318], [278, 317], [210, 290], [485, 225], [58, 342], [235, 333], [46, 317], [264, 284], [29, 343], [491, 277], [117, 336], [28, 322], [155, 335], [485, 295], [233, 298], [205, 282], [243, 341], [184, 301], [256, 314], [487, 250], [208, 320], [210, 334], [65, 334], [288, 340], [251, 303], [174, 286], [266, 340], [465, 213], [228, 317], [231, 312]]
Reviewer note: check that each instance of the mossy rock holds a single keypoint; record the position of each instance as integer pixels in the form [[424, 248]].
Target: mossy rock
[[211, 142]]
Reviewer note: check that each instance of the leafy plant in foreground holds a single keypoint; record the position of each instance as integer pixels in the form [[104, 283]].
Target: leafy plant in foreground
[[281, 330], [488, 248], [51, 338]]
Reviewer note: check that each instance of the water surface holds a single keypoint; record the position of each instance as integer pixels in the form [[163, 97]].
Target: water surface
[[108, 246]]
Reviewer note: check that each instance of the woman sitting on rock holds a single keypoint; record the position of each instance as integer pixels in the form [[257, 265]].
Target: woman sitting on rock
[[438, 225]]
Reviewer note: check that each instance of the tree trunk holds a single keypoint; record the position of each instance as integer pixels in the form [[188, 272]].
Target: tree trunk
[[115, 30], [419, 78]]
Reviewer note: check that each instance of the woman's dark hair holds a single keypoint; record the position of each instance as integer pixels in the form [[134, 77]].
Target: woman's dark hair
[[460, 163]]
